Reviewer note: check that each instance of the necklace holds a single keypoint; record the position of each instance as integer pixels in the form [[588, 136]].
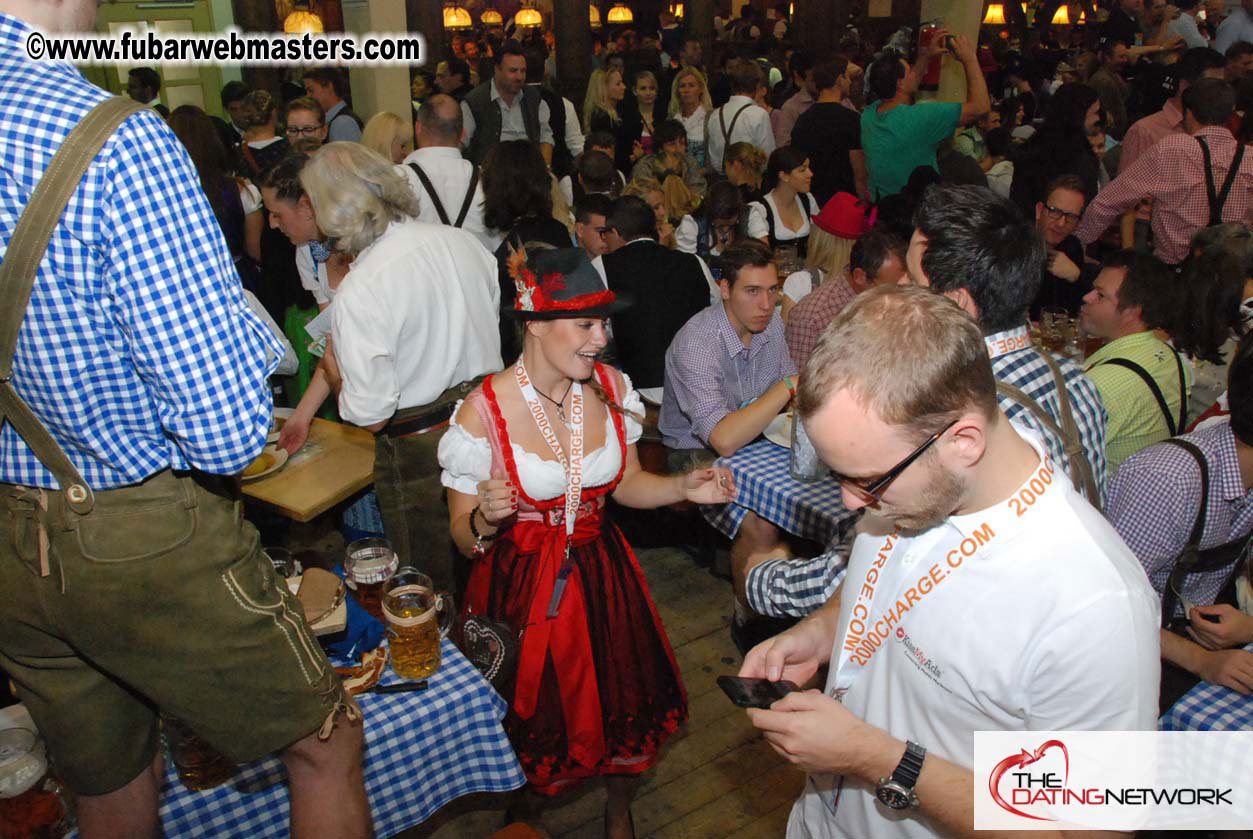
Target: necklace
[[561, 411]]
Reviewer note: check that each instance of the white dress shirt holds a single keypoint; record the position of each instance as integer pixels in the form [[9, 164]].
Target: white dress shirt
[[417, 314], [313, 277], [449, 173], [512, 125], [753, 126]]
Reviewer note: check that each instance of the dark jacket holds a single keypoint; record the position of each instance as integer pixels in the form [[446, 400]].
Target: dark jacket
[[563, 158], [487, 119], [668, 288]]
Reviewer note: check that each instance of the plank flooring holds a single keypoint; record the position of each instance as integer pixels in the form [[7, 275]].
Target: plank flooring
[[717, 777]]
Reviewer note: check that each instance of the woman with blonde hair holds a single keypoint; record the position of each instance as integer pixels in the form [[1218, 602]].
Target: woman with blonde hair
[[691, 106], [388, 135], [744, 165], [832, 234], [672, 204], [412, 328], [602, 111]]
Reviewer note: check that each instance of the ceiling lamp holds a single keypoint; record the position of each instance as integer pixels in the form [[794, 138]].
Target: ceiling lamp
[[1082, 18], [456, 17], [995, 15], [621, 13], [491, 17], [302, 20], [1061, 17], [593, 16], [676, 9], [528, 18]]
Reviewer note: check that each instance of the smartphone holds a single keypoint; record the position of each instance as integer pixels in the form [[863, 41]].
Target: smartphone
[[754, 693]]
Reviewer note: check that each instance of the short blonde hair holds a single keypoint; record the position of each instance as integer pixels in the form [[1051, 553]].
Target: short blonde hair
[[908, 354], [674, 194], [356, 193], [383, 129]]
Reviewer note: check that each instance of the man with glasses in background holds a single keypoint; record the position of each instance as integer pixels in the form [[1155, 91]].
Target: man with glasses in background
[[1033, 614], [1065, 278]]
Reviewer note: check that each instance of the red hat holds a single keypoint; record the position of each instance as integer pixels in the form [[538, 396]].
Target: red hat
[[845, 216]]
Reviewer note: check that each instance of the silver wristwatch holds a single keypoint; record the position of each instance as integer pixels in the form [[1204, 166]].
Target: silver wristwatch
[[897, 791]]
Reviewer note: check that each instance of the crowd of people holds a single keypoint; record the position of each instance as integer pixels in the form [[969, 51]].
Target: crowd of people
[[511, 303]]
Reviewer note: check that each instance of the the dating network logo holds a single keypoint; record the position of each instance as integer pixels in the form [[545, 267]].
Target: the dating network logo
[[1021, 790]]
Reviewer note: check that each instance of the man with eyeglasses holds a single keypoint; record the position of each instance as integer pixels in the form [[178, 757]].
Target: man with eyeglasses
[[983, 593], [306, 131], [591, 213], [1065, 278], [973, 247]]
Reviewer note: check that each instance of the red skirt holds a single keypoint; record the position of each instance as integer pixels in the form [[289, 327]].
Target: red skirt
[[629, 696]]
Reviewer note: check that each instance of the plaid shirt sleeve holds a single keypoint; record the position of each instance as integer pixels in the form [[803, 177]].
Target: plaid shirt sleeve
[[795, 587], [204, 355], [1122, 194], [1153, 499], [696, 382]]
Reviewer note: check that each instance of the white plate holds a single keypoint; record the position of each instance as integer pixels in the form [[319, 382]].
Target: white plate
[[779, 431], [279, 413], [278, 456]]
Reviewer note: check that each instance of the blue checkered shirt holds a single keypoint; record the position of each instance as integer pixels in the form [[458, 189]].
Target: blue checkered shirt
[[138, 351], [787, 587], [1153, 501]]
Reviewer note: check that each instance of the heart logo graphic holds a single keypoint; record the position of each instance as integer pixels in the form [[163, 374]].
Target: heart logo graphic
[[1025, 758]]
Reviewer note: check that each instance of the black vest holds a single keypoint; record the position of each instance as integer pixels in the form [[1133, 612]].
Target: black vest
[[487, 119]]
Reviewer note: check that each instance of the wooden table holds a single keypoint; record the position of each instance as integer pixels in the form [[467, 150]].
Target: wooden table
[[336, 462]]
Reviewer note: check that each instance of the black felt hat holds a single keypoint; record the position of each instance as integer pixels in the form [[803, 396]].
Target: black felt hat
[[559, 283]]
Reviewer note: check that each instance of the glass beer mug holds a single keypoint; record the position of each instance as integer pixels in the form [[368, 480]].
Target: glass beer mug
[[369, 564], [417, 618], [32, 803]]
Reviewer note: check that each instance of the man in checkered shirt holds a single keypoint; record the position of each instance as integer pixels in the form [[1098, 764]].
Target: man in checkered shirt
[[139, 355], [1173, 173], [974, 247]]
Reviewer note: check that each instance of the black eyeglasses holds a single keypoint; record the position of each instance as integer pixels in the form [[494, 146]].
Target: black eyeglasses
[[308, 130], [873, 488], [1061, 215]]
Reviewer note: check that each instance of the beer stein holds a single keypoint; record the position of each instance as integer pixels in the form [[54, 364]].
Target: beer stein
[[32, 803], [417, 618], [368, 566], [803, 463], [199, 765]]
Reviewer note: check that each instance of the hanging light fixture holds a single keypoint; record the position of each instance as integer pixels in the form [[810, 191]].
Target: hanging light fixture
[[995, 15], [491, 17], [676, 9], [1062, 16], [456, 17], [621, 13], [302, 20], [593, 16], [1082, 18], [528, 17]]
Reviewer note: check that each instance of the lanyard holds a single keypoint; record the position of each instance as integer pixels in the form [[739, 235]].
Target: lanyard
[[573, 467]]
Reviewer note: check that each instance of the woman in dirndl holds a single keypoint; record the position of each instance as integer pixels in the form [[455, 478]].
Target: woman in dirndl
[[530, 459]]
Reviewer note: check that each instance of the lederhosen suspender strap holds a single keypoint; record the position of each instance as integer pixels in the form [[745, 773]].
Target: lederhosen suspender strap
[[1081, 477], [1157, 391], [1193, 560], [27, 247], [726, 132], [1218, 200], [439, 205]]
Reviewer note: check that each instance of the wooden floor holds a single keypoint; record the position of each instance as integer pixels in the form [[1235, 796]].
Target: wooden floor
[[717, 777]]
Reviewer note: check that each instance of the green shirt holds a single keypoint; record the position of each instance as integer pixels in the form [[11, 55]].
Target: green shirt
[[899, 141], [1135, 418]]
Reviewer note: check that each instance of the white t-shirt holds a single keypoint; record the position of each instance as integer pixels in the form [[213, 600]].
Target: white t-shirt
[[249, 197], [757, 228], [694, 124], [1049, 624], [685, 234], [798, 285], [416, 314]]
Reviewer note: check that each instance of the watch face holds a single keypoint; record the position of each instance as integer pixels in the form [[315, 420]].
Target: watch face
[[893, 796]]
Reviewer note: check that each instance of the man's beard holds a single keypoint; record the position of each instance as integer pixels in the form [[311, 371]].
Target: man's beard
[[937, 502]]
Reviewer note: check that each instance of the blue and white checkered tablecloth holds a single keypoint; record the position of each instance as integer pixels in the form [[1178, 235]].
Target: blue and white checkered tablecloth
[[812, 510], [422, 750], [1210, 707]]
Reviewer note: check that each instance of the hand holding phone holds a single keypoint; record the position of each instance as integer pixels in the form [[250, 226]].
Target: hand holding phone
[[754, 693]]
